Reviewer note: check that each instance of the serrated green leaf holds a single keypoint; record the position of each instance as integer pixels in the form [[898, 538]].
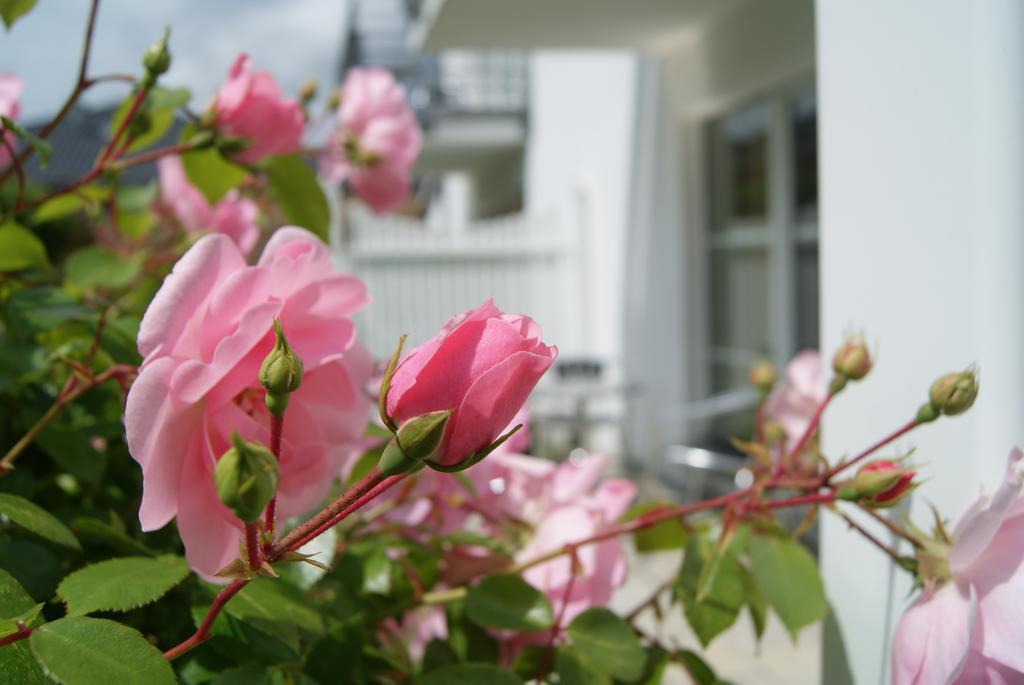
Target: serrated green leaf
[[33, 564], [252, 639], [12, 10], [670, 534], [121, 584], [86, 651], [469, 674], [724, 599], [507, 602], [94, 267], [573, 669], [20, 249], [295, 188], [213, 175], [788, 577], [9, 624], [17, 665], [607, 643], [114, 537], [34, 518]]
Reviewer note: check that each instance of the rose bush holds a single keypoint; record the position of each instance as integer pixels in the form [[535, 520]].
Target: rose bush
[[202, 341]]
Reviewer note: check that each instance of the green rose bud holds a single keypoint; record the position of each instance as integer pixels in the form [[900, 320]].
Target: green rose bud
[[280, 373], [157, 59], [954, 393], [246, 478]]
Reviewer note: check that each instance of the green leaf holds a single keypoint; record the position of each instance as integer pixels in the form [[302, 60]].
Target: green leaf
[[17, 665], [670, 534], [37, 520], [607, 643], [274, 601], [94, 267], [94, 650], [213, 175], [70, 450], [12, 10], [294, 187], [469, 674], [697, 668], [116, 538], [121, 584], [33, 564], [788, 577], [573, 669], [508, 602], [246, 675], [724, 599], [756, 605], [20, 249], [251, 640], [43, 149], [160, 106]]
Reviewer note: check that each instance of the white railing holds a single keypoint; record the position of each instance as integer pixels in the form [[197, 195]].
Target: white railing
[[419, 273]]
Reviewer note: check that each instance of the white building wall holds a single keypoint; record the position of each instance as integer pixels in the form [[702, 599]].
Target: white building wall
[[922, 158], [579, 151]]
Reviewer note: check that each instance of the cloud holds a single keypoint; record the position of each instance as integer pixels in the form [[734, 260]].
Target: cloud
[[294, 39]]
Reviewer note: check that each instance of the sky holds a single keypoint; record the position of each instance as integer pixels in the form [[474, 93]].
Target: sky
[[293, 39]]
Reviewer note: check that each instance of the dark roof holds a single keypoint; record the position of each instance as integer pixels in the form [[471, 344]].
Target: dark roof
[[78, 140]]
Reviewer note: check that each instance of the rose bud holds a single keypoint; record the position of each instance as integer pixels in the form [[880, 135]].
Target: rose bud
[[481, 367], [852, 359], [763, 376], [246, 478], [878, 484], [954, 393], [280, 373]]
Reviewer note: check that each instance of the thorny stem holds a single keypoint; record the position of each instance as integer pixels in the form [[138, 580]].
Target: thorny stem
[[202, 633], [276, 431], [871, 538], [893, 527], [899, 432], [812, 426], [252, 545]]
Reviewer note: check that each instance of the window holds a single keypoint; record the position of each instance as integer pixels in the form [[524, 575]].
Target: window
[[762, 239]]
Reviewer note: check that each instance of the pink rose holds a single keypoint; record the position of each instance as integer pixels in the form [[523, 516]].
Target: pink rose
[[482, 365], [10, 107], [203, 339], [793, 402], [418, 627], [377, 140], [249, 105], [965, 627], [234, 215], [563, 503]]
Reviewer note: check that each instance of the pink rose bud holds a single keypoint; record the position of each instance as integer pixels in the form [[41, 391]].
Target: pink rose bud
[[879, 484], [249, 105], [481, 367], [852, 359]]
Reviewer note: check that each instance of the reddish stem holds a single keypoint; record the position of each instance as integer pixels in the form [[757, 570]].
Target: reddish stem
[[252, 545], [202, 633], [870, 538], [906, 428], [21, 633], [133, 109], [276, 431], [787, 460], [307, 532]]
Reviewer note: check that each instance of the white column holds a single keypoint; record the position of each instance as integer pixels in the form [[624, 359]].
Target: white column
[[922, 242]]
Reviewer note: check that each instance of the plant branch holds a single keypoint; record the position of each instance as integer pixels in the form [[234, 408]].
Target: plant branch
[[812, 426], [276, 431], [202, 633], [895, 528], [21, 633], [899, 432]]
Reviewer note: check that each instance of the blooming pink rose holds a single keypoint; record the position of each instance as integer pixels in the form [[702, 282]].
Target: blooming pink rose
[[967, 629], [10, 107], [793, 402], [203, 339], [249, 105], [234, 215], [482, 365], [377, 140]]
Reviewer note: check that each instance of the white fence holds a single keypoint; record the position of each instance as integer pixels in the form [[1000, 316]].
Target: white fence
[[421, 273]]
